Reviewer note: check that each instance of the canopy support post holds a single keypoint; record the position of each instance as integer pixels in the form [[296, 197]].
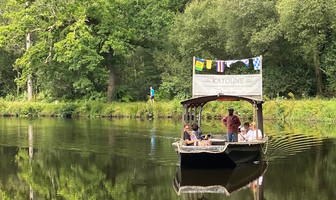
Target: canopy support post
[[195, 115], [184, 110], [199, 116], [260, 123]]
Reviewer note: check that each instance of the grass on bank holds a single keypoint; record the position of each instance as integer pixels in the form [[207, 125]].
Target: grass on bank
[[279, 109]]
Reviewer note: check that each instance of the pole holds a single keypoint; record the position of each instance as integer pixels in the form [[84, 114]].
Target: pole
[[260, 123], [199, 116], [261, 98], [184, 109], [193, 75]]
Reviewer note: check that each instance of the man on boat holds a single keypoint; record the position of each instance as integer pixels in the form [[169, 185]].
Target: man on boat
[[232, 122]]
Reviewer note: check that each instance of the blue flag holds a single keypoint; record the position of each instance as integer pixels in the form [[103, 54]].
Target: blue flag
[[256, 63]]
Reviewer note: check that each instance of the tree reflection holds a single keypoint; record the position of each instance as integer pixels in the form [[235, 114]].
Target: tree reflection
[[112, 160], [60, 175], [52, 175], [31, 152]]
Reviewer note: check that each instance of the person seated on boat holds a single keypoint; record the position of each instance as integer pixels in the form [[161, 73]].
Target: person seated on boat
[[243, 132], [188, 136], [252, 133], [198, 133], [232, 122]]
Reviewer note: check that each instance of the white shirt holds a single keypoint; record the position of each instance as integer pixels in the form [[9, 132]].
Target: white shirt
[[251, 135]]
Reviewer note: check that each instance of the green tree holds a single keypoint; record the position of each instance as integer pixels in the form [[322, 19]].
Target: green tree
[[7, 75], [71, 41], [252, 28], [307, 25], [152, 21]]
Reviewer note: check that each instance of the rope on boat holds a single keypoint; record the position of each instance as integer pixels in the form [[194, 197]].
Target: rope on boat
[[266, 145]]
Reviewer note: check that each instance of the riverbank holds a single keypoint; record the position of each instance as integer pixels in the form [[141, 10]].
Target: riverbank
[[278, 109]]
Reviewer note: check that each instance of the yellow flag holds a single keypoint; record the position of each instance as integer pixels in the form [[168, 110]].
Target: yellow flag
[[208, 64]]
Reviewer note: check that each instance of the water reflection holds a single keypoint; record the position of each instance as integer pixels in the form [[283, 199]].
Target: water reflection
[[133, 159], [72, 163], [152, 150], [192, 183], [31, 152]]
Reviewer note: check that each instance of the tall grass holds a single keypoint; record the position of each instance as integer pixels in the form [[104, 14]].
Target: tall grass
[[279, 109]]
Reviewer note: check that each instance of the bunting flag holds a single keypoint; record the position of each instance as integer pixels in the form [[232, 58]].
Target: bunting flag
[[256, 63], [220, 66], [208, 64], [199, 64], [230, 62], [245, 61]]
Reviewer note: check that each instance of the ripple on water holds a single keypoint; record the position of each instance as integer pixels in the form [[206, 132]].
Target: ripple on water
[[284, 145]]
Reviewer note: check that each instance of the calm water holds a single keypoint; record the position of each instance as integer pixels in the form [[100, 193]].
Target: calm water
[[133, 159]]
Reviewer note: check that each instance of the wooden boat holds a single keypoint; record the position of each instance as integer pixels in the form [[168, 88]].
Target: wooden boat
[[221, 153], [222, 181]]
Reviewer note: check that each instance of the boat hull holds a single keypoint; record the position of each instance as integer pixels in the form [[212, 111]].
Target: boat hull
[[205, 160], [219, 156]]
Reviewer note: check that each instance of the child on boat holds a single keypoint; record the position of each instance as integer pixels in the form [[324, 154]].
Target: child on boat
[[243, 132]]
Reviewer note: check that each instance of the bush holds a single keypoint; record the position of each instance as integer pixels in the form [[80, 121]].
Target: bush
[[280, 109], [67, 110]]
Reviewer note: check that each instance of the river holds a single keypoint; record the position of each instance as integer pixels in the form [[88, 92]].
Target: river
[[48, 158]]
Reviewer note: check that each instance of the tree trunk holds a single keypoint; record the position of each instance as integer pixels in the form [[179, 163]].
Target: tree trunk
[[111, 84], [30, 88], [29, 81], [17, 85], [318, 74]]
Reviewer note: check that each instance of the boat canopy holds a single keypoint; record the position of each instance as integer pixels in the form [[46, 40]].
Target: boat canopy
[[212, 87], [201, 101], [192, 108]]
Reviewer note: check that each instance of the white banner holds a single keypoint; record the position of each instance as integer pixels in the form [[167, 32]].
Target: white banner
[[235, 85]]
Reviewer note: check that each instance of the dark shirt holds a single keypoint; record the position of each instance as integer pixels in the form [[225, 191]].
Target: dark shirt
[[186, 136]]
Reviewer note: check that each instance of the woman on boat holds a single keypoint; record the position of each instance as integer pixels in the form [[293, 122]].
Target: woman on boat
[[252, 133], [188, 136], [191, 139]]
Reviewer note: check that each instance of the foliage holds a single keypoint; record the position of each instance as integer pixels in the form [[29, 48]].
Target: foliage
[[279, 109], [81, 48], [291, 49], [307, 25]]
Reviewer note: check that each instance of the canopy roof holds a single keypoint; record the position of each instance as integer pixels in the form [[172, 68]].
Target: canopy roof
[[200, 101]]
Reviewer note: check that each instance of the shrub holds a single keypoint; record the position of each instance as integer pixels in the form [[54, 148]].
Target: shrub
[[67, 110]]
